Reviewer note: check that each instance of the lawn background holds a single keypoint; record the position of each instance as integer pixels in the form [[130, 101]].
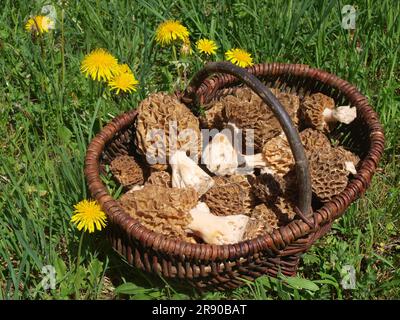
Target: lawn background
[[49, 112]]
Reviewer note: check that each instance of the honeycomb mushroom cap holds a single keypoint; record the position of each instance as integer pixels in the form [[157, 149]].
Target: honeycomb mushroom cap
[[262, 220], [284, 207], [161, 209], [229, 195], [247, 111], [347, 155], [266, 187], [160, 178], [312, 111], [213, 116], [328, 174], [278, 155], [127, 171], [161, 118], [291, 103], [314, 140]]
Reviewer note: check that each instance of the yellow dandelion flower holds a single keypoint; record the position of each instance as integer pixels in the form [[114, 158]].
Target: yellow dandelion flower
[[207, 46], [171, 30], [124, 81], [122, 68], [39, 24], [88, 216], [99, 65], [239, 57]]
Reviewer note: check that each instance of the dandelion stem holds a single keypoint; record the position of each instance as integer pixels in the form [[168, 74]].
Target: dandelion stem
[[176, 62], [78, 261], [79, 251]]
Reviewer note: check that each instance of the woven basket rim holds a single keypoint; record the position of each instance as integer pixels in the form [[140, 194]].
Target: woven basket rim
[[279, 238]]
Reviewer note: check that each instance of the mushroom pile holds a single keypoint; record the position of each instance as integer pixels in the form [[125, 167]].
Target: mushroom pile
[[229, 175]]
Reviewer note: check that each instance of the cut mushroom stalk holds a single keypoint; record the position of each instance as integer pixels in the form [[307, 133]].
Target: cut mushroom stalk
[[255, 161], [217, 229], [344, 114], [350, 167], [318, 111], [186, 173]]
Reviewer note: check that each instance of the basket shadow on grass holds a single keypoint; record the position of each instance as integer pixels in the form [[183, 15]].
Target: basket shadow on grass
[[120, 271]]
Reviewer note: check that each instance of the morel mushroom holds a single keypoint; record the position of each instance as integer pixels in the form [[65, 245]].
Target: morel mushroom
[[284, 207], [213, 117], [216, 229], [163, 126], [127, 171], [161, 209], [351, 160], [247, 111], [278, 155], [186, 173], [328, 174], [318, 111], [267, 187], [275, 158], [262, 220], [290, 102], [229, 196], [160, 178], [314, 140]]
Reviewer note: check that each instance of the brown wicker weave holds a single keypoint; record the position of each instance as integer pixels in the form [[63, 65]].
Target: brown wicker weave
[[223, 267]]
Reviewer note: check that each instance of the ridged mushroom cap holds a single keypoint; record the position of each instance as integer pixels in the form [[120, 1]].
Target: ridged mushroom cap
[[262, 220], [348, 155], [328, 174], [161, 118], [290, 102], [161, 209], [314, 140], [278, 155], [229, 195], [127, 171], [266, 187], [312, 111], [246, 110], [160, 178], [213, 117], [285, 203]]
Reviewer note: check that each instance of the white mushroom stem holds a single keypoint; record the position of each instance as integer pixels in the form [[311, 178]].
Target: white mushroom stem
[[186, 173], [220, 156], [255, 160], [350, 167], [344, 114], [217, 229]]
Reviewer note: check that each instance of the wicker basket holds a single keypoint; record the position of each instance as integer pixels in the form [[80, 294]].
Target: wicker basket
[[223, 267]]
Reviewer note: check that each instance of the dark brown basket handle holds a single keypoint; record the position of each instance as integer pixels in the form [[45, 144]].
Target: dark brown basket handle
[[292, 135]]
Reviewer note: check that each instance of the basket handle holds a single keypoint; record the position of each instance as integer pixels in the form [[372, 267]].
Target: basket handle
[[292, 135]]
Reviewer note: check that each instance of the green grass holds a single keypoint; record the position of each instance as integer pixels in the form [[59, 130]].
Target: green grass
[[49, 112]]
